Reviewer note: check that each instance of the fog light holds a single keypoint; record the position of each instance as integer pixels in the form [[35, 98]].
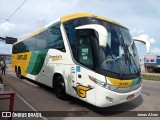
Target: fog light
[[109, 99]]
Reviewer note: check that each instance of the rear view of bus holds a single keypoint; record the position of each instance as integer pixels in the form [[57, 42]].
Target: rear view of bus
[[106, 58]]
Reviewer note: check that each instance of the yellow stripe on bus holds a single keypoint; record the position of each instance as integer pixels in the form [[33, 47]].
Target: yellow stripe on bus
[[120, 83], [79, 15], [22, 60]]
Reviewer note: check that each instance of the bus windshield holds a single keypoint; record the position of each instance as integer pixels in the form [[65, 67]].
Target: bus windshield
[[119, 57], [120, 54]]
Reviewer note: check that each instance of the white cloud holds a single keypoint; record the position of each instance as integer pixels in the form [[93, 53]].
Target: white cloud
[[146, 37], [41, 21], [136, 31], [155, 51], [6, 29], [141, 34]]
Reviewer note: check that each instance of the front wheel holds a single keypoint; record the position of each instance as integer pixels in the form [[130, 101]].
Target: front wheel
[[59, 88]]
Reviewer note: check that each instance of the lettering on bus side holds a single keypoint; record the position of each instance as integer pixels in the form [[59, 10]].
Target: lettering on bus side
[[56, 57], [22, 57]]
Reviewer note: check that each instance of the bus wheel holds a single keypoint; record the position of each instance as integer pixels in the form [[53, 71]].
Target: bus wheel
[[19, 73], [59, 88]]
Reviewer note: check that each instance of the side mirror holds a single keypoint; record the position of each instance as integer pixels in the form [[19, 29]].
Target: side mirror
[[102, 32], [148, 44]]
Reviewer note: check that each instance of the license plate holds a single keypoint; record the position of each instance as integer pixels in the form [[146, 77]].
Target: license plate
[[130, 97]]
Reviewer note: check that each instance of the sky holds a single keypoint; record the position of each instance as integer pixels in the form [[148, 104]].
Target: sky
[[141, 17]]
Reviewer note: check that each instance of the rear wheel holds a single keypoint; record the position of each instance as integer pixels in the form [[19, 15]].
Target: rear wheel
[[19, 73], [59, 88], [16, 71]]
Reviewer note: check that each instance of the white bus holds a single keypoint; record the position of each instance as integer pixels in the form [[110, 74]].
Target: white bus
[[83, 55]]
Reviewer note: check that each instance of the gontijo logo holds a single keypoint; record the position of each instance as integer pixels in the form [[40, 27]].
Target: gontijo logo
[[82, 90]]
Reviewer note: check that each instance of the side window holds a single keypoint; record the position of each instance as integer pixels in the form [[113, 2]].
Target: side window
[[55, 39], [22, 47], [32, 44], [15, 49], [71, 33], [84, 51], [41, 41], [25, 46]]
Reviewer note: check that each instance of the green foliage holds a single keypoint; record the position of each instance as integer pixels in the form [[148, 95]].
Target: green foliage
[[151, 77]]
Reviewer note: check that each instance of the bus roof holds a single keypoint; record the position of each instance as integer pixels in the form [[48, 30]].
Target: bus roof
[[79, 15], [69, 17]]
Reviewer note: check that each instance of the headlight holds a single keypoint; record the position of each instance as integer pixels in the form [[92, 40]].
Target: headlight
[[111, 87], [103, 84]]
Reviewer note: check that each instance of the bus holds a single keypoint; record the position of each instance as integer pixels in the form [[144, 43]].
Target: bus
[[83, 55]]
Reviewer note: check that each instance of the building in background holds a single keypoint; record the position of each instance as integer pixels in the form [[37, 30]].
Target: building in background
[[150, 63]]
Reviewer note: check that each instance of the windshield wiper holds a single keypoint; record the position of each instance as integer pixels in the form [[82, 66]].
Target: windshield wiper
[[129, 56]]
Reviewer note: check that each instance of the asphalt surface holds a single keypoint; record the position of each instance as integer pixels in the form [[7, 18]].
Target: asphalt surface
[[32, 97]]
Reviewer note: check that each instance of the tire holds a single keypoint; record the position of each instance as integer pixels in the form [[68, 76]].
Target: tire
[[19, 74], [59, 88], [16, 73]]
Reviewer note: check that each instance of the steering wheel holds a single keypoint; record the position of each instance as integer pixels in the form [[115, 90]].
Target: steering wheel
[[109, 60], [119, 57]]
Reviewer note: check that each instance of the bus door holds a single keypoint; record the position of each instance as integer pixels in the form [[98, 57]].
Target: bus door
[[85, 87]]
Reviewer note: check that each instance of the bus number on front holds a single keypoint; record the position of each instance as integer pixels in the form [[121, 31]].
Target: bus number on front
[[122, 84]]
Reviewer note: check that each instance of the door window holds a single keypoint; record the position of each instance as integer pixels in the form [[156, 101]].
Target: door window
[[84, 51]]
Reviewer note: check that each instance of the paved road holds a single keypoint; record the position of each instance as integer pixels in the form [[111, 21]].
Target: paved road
[[43, 98]]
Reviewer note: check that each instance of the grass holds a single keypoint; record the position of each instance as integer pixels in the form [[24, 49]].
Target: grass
[[151, 77]]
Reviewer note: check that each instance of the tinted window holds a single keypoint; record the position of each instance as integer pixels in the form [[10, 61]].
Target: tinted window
[[84, 50], [55, 38], [71, 31], [31, 43], [41, 41], [25, 46], [20, 47], [14, 49], [51, 38]]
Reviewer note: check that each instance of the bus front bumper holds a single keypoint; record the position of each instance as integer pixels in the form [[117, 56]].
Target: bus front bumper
[[106, 98]]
